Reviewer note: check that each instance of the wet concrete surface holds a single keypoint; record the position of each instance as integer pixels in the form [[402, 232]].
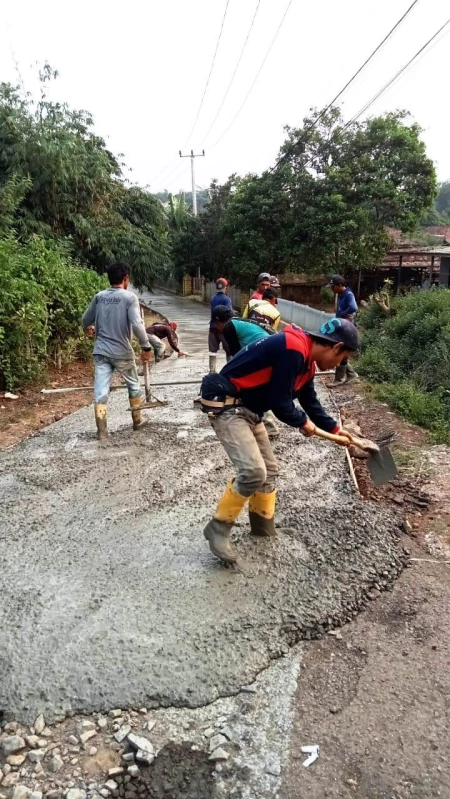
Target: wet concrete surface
[[109, 596]]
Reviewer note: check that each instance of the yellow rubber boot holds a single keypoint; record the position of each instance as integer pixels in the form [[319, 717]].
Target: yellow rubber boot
[[261, 508], [218, 530], [101, 421], [138, 421]]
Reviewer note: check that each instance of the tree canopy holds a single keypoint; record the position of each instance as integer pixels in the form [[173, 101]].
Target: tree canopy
[[59, 180], [328, 203]]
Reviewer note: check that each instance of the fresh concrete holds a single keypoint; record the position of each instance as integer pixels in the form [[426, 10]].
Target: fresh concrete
[[109, 596]]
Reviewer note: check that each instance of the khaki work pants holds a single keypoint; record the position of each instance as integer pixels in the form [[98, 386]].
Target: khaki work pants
[[245, 440]]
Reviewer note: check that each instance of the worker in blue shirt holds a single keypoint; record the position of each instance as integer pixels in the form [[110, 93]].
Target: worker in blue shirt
[[215, 338], [347, 308]]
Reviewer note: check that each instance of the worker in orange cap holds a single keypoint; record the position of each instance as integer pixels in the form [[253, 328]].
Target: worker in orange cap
[[166, 331]]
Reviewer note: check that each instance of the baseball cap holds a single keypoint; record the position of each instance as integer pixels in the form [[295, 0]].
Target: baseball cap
[[337, 280], [269, 294], [221, 283], [221, 313], [263, 276], [338, 331], [274, 282]]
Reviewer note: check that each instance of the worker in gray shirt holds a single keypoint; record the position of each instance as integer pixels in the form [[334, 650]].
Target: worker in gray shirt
[[111, 316]]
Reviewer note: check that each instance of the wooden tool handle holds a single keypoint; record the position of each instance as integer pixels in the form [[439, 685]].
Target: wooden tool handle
[[335, 437], [361, 443]]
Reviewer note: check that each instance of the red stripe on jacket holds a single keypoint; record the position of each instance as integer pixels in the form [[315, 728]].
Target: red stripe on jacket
[[252, 380], [297, 339]]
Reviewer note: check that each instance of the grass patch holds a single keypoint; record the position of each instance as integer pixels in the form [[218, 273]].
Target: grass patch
[[428, 410]]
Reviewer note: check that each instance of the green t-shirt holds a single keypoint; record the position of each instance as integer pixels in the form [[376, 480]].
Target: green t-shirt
[[248, 332]]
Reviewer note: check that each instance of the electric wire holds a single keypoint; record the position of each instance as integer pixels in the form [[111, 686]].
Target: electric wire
[[209, 75], [256, 77], [398, 74], [233, 75], [347, 85], [171, 161]]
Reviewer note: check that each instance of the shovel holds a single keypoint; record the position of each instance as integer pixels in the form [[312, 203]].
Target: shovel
[[380, 463]]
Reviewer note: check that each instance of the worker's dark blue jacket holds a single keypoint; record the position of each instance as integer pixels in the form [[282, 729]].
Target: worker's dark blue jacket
[[346, 306], [220, 299], [269, 375]]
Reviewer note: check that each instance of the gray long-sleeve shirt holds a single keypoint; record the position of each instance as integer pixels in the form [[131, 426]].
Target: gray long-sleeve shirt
[[115, 313]]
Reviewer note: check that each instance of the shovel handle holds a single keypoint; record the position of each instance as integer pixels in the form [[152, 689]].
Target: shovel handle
[[344, 441], [347, 440]]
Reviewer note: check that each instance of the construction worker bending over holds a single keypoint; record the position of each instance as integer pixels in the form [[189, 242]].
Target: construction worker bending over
[[267, 375], [237, 334], [163, 331], [264, 311], [111, 316]]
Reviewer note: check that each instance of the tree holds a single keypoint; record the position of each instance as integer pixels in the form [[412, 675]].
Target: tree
[[326, 206], [72, 187], [348, 183], [443, 199]]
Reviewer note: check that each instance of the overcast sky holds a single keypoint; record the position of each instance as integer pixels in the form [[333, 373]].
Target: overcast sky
[[140, 67]]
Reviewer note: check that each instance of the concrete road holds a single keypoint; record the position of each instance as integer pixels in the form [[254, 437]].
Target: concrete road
[[109, 596]]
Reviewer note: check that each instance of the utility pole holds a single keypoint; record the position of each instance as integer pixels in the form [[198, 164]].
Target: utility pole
[[193, 156]]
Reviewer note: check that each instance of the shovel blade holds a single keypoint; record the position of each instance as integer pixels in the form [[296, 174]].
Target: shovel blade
[[381, 466]]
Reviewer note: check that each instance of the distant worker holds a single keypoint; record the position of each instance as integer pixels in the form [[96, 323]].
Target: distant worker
[[163, 331], [347, 308], [219, 298], [267, 375], [111, 316], [264, 311], [237, 332], [263, 284], [275, 284]]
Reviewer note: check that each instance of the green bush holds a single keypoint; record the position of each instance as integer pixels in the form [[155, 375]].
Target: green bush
[[427, 410], [410, 351], [44, 294]]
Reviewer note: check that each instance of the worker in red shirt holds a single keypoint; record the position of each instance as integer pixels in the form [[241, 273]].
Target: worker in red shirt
[[163, 331], [267, 375], [263, 284]]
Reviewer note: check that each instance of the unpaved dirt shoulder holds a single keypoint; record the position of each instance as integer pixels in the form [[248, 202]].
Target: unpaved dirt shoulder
[[376, 699], [375, 696]]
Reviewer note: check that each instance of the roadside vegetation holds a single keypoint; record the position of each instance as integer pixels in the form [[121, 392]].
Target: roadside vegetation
[[406, 356], [66, 211]]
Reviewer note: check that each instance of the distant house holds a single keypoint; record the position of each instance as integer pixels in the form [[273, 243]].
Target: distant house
[[441, 232], [302, 287]]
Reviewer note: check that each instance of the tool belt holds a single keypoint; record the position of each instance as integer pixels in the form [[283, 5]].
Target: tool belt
[[217, 406], [217, 395]]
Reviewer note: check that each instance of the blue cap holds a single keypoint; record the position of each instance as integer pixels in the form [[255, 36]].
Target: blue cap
[[338, 331]]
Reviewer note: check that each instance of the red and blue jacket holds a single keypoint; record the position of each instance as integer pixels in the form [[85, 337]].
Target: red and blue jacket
[[269, 375]]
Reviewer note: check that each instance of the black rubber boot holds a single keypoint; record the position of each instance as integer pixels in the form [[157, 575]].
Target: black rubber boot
[[218, 535]]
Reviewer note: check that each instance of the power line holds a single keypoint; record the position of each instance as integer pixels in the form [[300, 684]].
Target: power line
[[177, 168], [387, 85], [234, 72], [256, 76], [175, 158], [161, 171], [344, 89], [178, 175], [397, 75], [209, 75]]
